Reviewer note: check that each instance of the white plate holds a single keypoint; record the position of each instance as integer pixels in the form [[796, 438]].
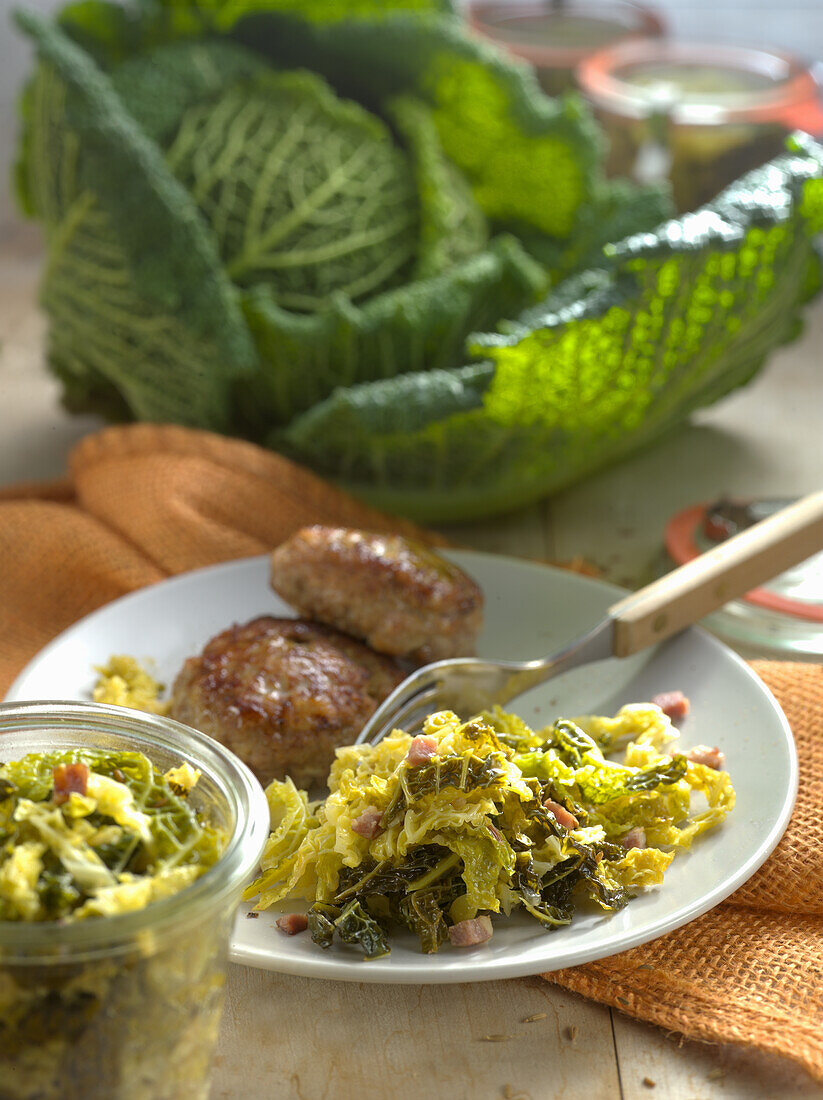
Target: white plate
[[530, 610]]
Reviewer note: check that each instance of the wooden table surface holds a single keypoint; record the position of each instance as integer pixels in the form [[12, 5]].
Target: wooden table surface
[[300, 1039]]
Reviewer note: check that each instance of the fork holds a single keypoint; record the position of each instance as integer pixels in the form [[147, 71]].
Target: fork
[[468, 685]]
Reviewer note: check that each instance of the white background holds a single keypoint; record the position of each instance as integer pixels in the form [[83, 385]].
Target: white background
[[797, 27]]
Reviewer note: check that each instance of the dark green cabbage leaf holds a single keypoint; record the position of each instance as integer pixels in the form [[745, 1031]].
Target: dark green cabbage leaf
[[352, 925], [140, 302]]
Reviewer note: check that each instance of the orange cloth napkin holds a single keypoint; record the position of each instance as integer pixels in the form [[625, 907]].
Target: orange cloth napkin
[[144, 501]]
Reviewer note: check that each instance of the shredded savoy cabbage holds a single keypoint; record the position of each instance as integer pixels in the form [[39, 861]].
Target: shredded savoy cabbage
[[119, 836], [123, 682], [500, 818]]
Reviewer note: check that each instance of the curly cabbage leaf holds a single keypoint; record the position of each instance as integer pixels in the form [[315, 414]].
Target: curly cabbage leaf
[[639, 869], [48, 188], [321, 918], [83, 864], [115, 799], [616, 209], [485, 860], [32, 777], [421, 870], [423, 915], [548, 898], [649, 790], [368, 765], [452, 225], [111, 32], [343, 221], [310, 872], [719, 793], [133, 274], [161, 86], [110, 346], [305, 193], [641, 723], [353, 925], [45, 171], [459, 772], [608, 363], [356, 926], [481, 103], [420, 326], [208, 16], [291, 820]]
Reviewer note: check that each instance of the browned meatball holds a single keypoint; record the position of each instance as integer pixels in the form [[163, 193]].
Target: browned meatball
[[282, 694], [396, 594]]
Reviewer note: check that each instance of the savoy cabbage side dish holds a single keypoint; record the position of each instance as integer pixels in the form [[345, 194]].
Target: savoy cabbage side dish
[[437, 832], [350, 231]]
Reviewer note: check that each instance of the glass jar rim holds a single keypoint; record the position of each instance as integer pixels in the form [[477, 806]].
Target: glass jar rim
[[246, 801], [485, 16], [793, 83]]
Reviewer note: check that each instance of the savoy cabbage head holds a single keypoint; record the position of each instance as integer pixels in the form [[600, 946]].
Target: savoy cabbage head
[[349, 230]]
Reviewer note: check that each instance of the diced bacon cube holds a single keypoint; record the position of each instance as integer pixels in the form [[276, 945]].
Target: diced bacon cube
[[292, 923], [421, 750], [69, 779], [672, 703], [369, 823], [562, 815], [468, 933], [711, 757], [634, 838]]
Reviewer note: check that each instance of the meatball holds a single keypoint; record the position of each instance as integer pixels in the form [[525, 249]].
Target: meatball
[[282, 694], [396, 594]]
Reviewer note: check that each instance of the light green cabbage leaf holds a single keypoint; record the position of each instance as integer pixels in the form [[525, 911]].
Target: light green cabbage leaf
[[80, 860], [639, 869], [291, 820], [346, 221]]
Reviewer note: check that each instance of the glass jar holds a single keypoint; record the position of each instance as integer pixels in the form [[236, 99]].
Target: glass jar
[[700, 115], [555, 38], [781, 619], [126, 1007]]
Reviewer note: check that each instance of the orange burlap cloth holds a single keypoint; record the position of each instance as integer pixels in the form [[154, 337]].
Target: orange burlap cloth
[[143, 502]]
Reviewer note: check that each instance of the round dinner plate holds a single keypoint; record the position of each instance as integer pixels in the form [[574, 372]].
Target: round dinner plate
[[531, 610]]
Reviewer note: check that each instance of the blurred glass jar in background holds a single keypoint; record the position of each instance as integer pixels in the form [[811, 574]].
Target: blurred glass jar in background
[[556, 37], [699, 114], [782, 619]]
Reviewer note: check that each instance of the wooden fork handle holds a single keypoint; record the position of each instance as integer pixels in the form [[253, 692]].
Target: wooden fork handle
[[724, 573]]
